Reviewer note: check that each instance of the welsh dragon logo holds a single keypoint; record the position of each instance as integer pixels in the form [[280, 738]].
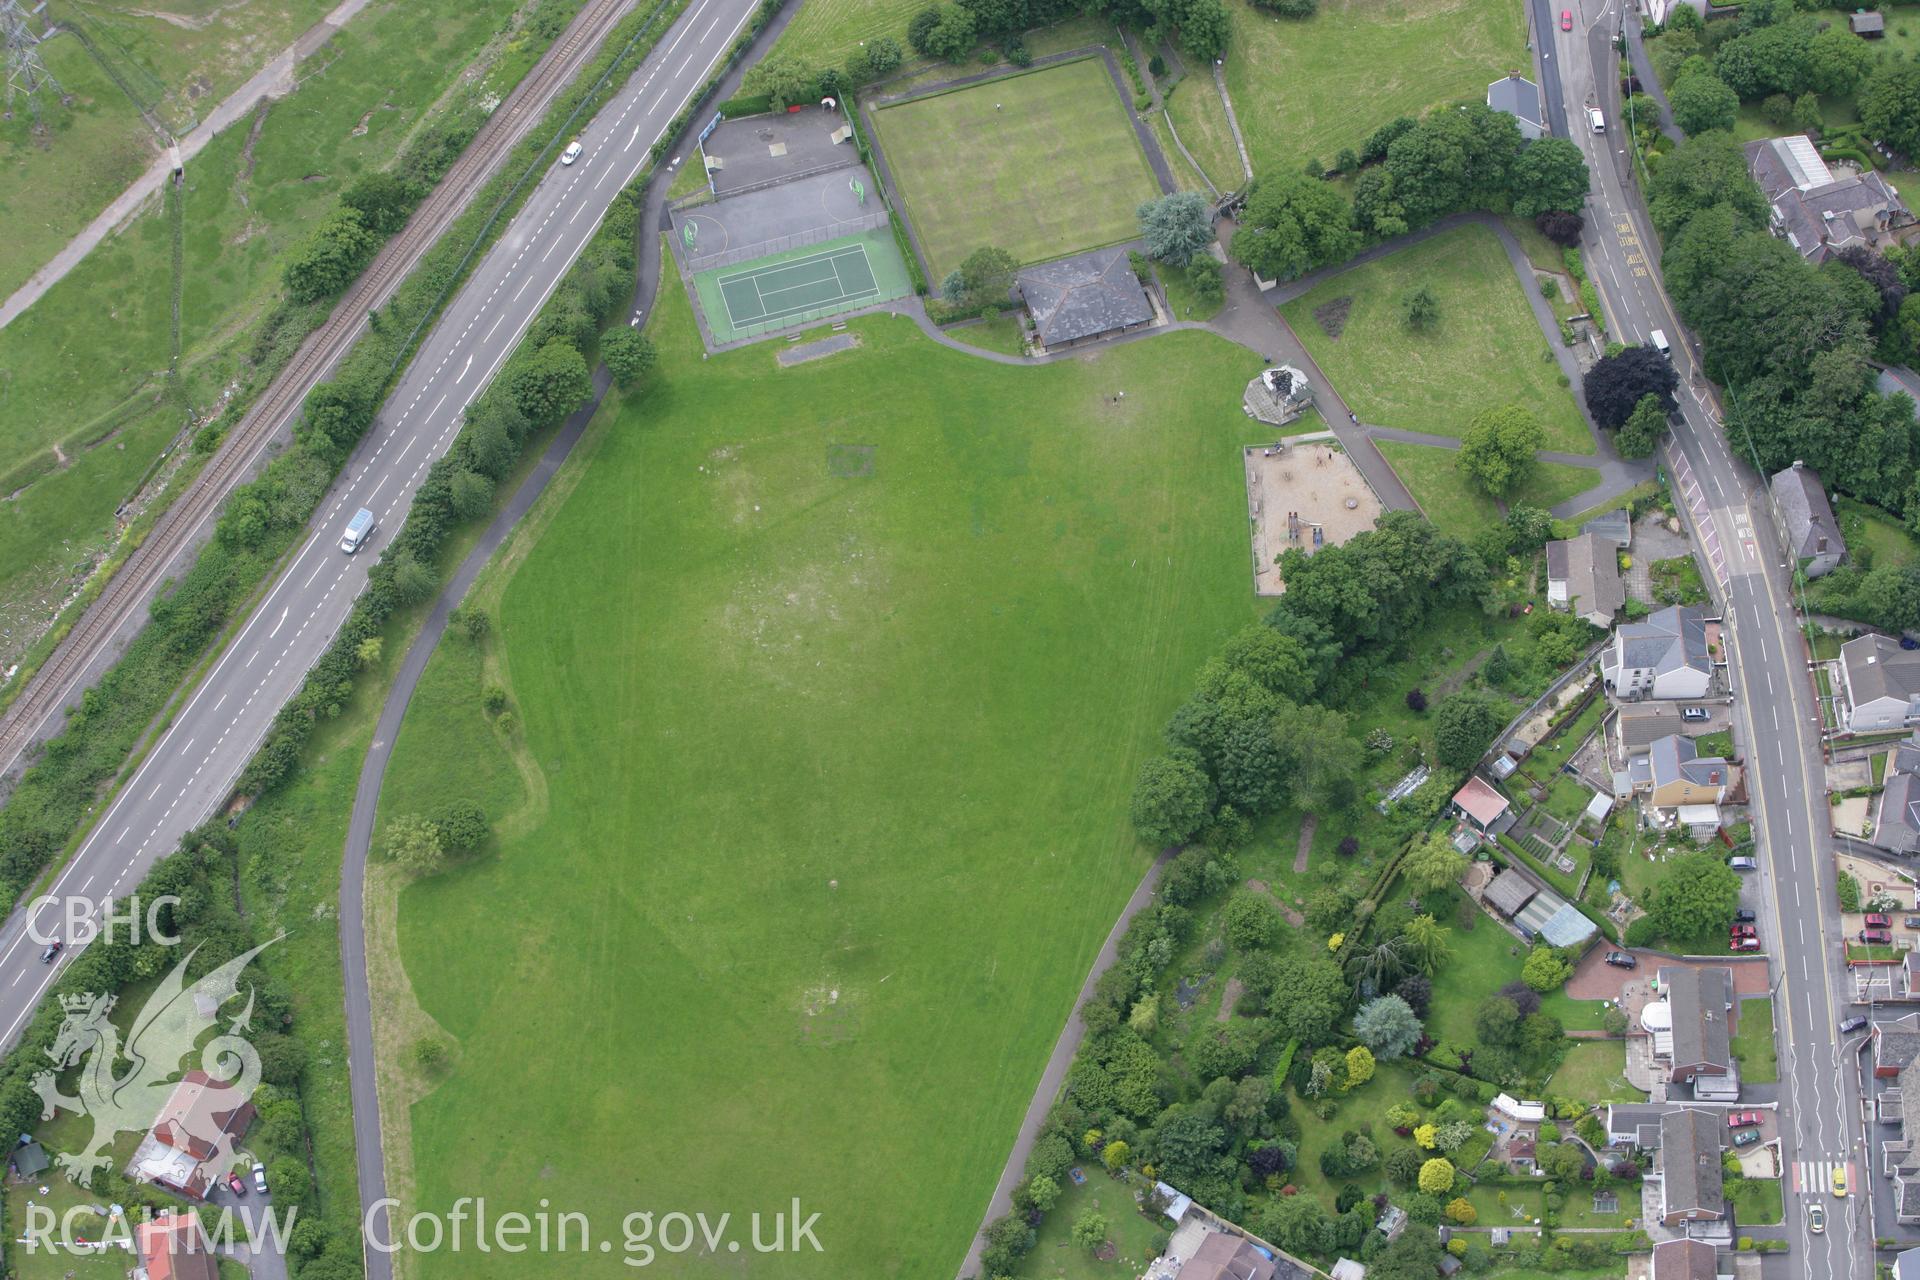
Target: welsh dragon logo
[[168, 1029]]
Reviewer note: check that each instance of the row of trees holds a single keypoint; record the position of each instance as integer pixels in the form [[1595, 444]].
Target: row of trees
[[1465, 156]]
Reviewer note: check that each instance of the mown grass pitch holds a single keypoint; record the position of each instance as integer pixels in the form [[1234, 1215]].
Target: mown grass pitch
[[816, 811], [1041, 164]]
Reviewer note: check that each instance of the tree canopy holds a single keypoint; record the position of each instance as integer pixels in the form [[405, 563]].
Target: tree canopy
[[1498, 448], [1292, 224], [1176, 226]]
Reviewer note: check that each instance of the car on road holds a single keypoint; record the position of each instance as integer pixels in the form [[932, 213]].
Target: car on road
[[260, 1178], [1746, 1137], [1693, 713], [572, 152], [237, 1183], [1745, 916], [1876, 937], [54, 948], [1566, 19], [1742, 1119], [1743, 863], [1743, 944], [1874, 920], [1839, 1184], [1621, 960], [1816, 1218], [1850, 1025]]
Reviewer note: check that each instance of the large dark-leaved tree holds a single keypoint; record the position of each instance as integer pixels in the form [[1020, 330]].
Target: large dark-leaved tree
[[1615, 384]]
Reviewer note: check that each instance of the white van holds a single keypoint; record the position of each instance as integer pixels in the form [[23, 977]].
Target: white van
[[357, 532], [572, 152], [1659, 340], [1596, 120]]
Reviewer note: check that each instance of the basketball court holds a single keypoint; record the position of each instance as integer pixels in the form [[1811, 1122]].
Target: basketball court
[[833, 278]]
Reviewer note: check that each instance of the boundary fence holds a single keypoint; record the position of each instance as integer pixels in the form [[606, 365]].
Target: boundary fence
[[699, 262]]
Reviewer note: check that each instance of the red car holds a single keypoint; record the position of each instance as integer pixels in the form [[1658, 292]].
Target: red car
[[1879, 936], [1566, 19], [1743, 931], [1741, 1119], [239, 1186], [1874, 920], [1744, 944]]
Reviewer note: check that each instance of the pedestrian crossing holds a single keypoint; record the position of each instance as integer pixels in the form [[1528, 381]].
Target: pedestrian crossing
[[1816, 1176]]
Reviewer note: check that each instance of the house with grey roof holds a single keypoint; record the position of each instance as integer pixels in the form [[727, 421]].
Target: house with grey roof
[[1906, 1265], [1666, 656], [1635, 1124], [1638, 725], [1690, 1026], [1896, 1043], [1511, 890], [1879, 685], [1900, 1157], [1678, 774], [1896, 811], [1690, 1174], [1583, 578], [1805, 520], [1519, 97], [1086, 297], [1817, 213]]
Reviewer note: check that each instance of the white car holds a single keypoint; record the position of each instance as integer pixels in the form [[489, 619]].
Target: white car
[[572, 152], [260, 1178]]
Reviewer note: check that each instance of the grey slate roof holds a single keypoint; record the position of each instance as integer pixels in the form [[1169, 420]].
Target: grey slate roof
[[1510, 891], [1519, 97], [1638, 1122], [1591, 572], [1897, 825], [1613, 526], [1896, 1043], [1676, 759], [1690, 1161], [1811, 528], [1699, 998], [1817, 212], [1861, 23], [1878, 667], [1672, 638], [1910, 1102], [1084, 296]]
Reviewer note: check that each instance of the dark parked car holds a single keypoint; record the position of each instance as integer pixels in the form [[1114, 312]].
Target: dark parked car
[[1746, 1137], [1912, 922], [1621, 960], [1745, 916], [1850, 1025], [54, 948]]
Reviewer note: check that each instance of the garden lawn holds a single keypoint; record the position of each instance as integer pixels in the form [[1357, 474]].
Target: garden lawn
[[1753, 1042], [1049, 163], [1484, 351], [1056, 1257], [82, 372], [1307, 88], [1595, 1071], [820, 781], [1456, 504], [1004, 332], [1884, 538], [1485, 958], [1757, 1202]]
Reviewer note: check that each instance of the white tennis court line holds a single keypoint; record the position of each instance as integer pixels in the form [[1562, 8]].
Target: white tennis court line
[[773, 312]]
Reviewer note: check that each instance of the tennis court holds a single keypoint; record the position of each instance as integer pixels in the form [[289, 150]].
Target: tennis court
[[767, 294]]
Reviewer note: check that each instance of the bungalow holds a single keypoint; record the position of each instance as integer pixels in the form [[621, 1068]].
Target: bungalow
[[1690, 1026], [1677, 774], [1224, 1257], [1084, 298], [1690, 1175], [1805, 520], [1667, 656], [1879, 685], [1484, 808], [174, 1248], [1583, 578], [192, 1139]]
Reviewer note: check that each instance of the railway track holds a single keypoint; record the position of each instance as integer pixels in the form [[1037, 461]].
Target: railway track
[[60, 679]]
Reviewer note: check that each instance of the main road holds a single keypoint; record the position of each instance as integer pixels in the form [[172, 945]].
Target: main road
[[1726, 501], [188, 774]]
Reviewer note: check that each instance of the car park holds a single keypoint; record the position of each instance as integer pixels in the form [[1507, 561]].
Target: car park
[[1746, 1137], [1874, 920], [1850, 1025], [1742, 1119], [1743, 944], [1876, 937], [1621, 960]]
